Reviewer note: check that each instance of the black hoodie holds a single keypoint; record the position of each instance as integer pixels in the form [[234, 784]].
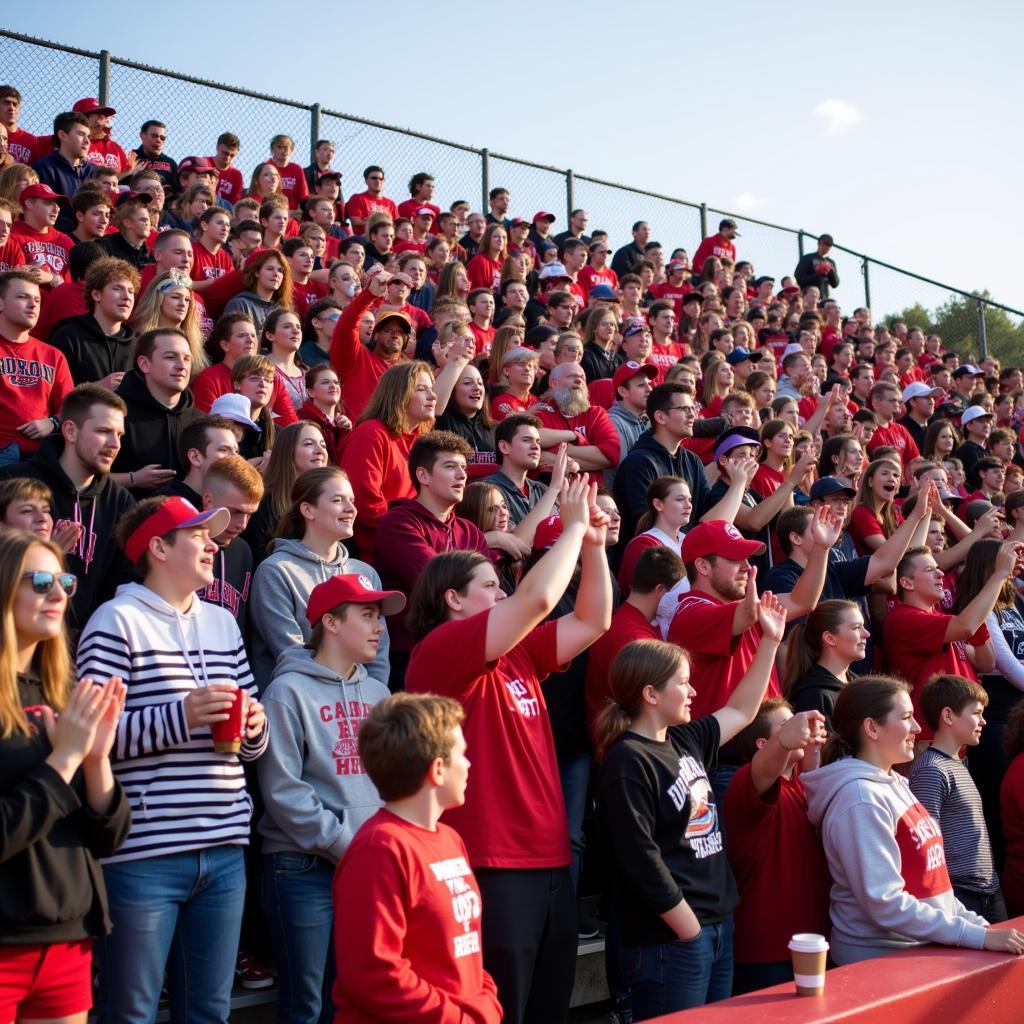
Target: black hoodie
[[96, 560], [51, 841], [90, 353], [151, 429]]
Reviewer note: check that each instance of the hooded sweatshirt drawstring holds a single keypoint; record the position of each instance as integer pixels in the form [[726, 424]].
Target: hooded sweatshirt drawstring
[[84, 546]]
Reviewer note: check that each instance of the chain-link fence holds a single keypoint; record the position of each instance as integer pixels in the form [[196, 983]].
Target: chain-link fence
[[52, 76]]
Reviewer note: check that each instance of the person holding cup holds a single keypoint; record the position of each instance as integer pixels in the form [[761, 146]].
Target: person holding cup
[[177, 885], [890, 885], [61, 808]]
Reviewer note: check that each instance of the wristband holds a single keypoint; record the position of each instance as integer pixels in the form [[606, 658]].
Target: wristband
[[131, 479]]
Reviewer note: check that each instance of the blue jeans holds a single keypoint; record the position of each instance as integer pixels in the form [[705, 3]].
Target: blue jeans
[[574, 774], [681, 975], [10, 454], [182, 913], [297, 903]]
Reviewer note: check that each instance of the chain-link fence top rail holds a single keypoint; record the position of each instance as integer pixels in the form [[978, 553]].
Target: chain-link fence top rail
[[51, 77]]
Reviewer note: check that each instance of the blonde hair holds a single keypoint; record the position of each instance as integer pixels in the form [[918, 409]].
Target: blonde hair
[[146, 315], [52, 659]]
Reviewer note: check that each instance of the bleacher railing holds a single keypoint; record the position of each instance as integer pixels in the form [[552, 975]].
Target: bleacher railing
[[51, 76]]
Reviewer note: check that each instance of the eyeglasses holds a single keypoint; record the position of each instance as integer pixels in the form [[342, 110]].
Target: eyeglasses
[[43, 582], [690, 410]]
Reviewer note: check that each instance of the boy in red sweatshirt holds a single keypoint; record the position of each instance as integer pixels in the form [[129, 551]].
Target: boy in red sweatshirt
[[407, 906]]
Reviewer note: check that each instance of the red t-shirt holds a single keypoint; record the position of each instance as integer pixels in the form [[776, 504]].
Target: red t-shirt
[[718, 660], [24, 147], [589, 278], [913, 641], [293, 184], [66, 300], [779, 866], [484, 337], [484, 272], [864, 523], [215, 381], [628, 624], [208, 266], [304, 295], [900, 438], [11, 254], [675, 293], [360, 206], [107, 153], [49, 249], [34, 381], [767, 480], [514, 815], [634, 549], [506, 404], [230, 183], [407, 931], [664, 357], [410, 206], [593, 427], [713, 245]]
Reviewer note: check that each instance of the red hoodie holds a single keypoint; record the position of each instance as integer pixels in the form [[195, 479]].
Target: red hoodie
[[215, 381], [357, 367], [377, 463], [410, 535]]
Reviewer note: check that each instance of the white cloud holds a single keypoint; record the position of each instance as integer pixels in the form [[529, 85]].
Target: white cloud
[[839, 116], [747, 201]]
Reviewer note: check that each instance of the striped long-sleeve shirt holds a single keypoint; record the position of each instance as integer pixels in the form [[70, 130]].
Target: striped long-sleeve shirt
[[183, 794]]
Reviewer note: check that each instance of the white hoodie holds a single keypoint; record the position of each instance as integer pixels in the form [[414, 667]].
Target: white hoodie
[[890, 886], [183, 794]]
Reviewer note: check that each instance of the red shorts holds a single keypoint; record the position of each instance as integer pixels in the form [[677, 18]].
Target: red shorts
[[45, 981]]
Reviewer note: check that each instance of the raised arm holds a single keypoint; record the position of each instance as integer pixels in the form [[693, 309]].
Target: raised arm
[[826, 528], [543, 586], [800, 734], [742, 470], [885, 559], [967, 623], [758, 517], [739, 712]]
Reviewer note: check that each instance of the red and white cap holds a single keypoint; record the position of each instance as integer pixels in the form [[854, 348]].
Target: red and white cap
[[629, 369], [91, 105], [717, 537], [40, 191], [350, 588], [174, 514]]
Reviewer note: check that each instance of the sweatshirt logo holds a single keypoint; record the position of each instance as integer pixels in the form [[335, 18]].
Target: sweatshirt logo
[[25, 373], [922, 855], [347, 716]]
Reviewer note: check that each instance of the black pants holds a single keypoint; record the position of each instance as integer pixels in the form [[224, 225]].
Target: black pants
[[529, 938], [991, 905]]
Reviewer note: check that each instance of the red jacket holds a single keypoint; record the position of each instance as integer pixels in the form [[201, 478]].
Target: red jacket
[[377, 463], [593, 427], [357, 367], [215, 381], [409, 536]]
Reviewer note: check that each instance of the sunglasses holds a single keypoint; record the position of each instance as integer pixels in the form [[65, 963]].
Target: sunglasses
[[43, 582]]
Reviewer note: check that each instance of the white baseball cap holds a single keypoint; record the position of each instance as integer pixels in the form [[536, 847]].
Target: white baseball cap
[[919, 390]]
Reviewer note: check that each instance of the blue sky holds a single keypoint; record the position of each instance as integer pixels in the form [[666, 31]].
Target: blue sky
[[886, 125]]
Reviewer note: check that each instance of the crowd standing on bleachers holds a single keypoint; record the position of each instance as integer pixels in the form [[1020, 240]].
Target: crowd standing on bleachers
[[719, 590]]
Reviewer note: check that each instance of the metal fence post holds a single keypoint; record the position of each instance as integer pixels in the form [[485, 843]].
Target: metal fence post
[[314, 131], [800, 242], [703, 221], [570, 201], [867, 282], [103, 89], [485, 178], [982, 340]]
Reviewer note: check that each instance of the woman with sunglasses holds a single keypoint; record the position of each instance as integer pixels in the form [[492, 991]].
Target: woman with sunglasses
[[60, 807]]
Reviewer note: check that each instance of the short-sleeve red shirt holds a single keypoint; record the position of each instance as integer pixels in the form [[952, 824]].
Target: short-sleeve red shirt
[[514, 814]]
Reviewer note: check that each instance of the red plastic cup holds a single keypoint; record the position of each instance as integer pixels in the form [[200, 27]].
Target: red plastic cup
[[227, 735]]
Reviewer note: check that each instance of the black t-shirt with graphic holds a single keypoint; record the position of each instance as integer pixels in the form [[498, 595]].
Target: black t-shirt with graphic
[[660, 819]]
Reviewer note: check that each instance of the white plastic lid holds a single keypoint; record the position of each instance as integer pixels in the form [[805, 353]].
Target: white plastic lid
[[808, 942]]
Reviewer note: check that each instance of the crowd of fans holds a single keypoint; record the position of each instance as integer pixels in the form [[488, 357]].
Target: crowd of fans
[[713, 584]]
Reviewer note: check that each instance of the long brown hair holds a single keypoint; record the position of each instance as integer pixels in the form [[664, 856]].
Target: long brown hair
[[863, 698], [306, 490], [638, 665], [392, 395], [979, 568], [428, 608], [282, 472], [283, 295], [52, 659], [804, 645], [886, 514], [659, 490]]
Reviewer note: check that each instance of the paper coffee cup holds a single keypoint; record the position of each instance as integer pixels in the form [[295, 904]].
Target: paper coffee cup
[[808, 951]]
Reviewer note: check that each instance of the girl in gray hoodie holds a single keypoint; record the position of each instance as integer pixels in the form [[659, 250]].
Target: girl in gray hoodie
[[316, 791], [891, 889], [308, 551]]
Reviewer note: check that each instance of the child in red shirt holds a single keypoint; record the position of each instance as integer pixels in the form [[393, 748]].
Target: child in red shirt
[[407, 933]]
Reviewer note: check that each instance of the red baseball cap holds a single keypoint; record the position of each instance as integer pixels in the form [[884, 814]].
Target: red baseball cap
[[424, 211], [197, 163], [543, 215], [174, 514], [91, 105], [350, 588], [40, 191], [717, 537], [630, 369], [547, 532]]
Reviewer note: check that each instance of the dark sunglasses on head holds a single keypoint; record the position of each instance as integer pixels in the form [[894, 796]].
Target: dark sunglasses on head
[[43, 582]]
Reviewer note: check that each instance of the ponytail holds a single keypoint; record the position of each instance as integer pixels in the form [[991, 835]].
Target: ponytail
[[804, 644], [658, 490], [612, 722]]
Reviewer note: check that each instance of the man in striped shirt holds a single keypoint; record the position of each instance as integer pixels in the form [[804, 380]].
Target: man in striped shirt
[[177, 885]]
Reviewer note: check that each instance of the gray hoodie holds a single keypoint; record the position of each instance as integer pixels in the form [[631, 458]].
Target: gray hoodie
[[890, 886], [313, 783], [280, 593]]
